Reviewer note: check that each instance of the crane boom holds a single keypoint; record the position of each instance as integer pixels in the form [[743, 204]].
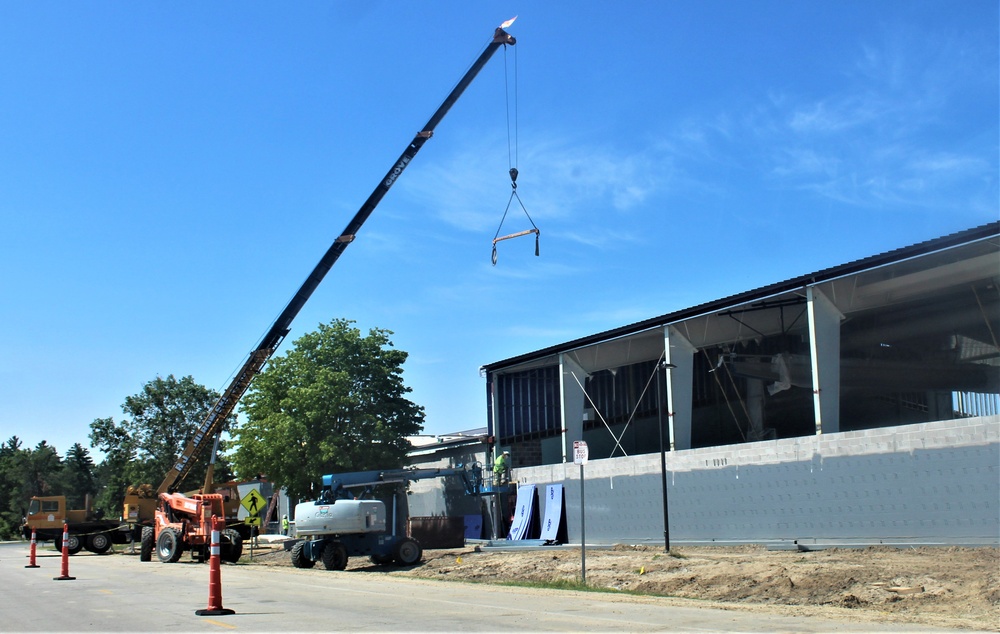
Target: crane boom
[[212, 423]]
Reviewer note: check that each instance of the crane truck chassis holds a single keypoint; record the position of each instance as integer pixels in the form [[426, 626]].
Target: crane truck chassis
[[47, 516]]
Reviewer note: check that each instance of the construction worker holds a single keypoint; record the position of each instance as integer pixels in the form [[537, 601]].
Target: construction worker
[[284, 524], [501, 468]]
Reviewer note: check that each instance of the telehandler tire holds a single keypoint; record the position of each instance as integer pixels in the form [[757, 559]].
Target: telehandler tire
[[231, 548], [146, 544], [168, 546]]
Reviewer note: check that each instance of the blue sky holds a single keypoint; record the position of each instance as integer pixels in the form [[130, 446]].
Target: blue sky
[[171, 172]]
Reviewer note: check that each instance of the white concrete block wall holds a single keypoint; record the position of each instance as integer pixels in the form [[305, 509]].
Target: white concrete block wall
[[927, 483]]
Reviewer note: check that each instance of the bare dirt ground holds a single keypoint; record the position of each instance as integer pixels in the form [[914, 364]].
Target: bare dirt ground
[[941, 587]]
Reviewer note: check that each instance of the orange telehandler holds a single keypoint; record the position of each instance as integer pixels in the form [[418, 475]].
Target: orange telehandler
[[185, 523]]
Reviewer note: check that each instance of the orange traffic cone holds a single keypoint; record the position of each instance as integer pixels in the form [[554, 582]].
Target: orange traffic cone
[[31, 560], [215, 577], [65, 556]]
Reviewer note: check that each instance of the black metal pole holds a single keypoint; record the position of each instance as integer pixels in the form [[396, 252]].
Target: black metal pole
[[660, 365], [583, 529]]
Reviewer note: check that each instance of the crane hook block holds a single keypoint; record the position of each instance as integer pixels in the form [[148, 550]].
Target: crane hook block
[[513, 174]]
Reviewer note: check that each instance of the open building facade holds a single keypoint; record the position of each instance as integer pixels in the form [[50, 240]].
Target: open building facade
[[858, 404]]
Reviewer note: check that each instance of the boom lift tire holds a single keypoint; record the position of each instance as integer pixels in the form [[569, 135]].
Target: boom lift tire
[[168, 546], [98, 543], [146, 544], [334, 556], [299, 559], [231, 548], [407, 552]]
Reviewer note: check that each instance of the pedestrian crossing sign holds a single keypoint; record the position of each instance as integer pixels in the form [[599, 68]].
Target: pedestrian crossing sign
[[254, 502]]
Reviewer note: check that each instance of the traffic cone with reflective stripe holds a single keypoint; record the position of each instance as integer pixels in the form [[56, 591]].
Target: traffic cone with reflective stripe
[[31, 560], [65, 556], [215, 576]]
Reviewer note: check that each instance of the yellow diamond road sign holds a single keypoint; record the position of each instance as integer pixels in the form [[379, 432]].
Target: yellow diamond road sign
[[254, 502]]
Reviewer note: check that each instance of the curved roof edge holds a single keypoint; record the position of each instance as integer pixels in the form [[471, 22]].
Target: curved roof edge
[[959, 238]]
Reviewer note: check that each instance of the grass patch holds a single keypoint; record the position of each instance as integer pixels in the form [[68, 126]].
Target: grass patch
[[563, 584]]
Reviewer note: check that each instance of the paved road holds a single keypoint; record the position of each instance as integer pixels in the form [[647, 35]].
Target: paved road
[[115, 593]]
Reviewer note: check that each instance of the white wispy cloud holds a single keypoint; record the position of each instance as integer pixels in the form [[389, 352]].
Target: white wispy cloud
[[884, 136], [837, 116], [559, 179]]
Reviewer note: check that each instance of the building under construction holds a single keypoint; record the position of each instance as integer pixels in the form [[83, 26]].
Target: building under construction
[[857, 404]]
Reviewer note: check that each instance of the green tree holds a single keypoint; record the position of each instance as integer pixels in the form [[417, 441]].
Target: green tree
[[334, 403], [159, 422], [79, 476], [10, 506], [24, 473], [41, 471]]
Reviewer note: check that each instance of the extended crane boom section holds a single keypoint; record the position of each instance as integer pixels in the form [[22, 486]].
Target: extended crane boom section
[[215, 419], [212, 424]]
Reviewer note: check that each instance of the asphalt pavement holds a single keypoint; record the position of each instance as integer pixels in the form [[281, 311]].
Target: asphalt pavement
[[118, 593]]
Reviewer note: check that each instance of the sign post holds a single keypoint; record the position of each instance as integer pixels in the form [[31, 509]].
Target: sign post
[[253, 502], [580, 455]]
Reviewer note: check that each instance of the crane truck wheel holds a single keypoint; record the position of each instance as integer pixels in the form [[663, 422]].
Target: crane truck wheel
[[168, 546], [146, 544], [99, 543], [232, 546], [299, 559], [334, 556], [407, 552], [74, 543]]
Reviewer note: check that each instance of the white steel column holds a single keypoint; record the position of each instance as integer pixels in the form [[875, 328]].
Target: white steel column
[[571, 395], [680, 387], [824, 356]]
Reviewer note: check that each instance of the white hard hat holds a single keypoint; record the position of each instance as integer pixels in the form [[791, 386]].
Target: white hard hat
[[506, 452]]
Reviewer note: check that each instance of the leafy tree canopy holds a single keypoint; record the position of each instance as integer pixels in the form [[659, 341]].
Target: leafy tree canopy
[[159, 422], [334, 403]]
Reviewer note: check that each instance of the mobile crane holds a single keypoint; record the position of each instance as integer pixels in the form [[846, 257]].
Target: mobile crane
[[339, 524], [47, 516], [186, 520]]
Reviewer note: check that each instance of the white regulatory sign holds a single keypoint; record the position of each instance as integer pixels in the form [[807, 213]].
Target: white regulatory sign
[[580, 453]]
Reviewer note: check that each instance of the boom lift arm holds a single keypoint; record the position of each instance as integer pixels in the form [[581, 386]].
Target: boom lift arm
[[213, 422], [335, 485]]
